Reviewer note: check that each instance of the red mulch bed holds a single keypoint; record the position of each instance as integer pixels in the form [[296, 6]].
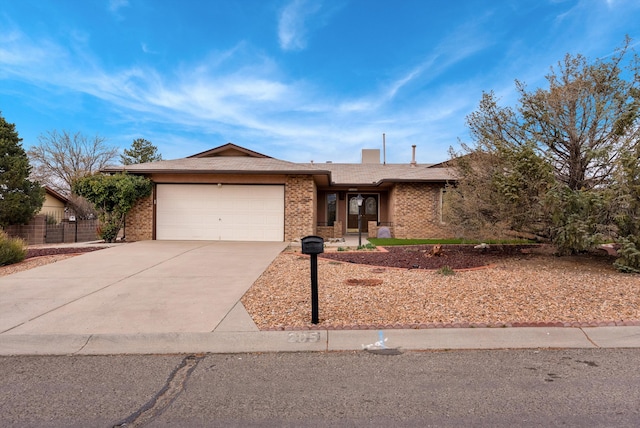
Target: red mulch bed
[[54, 251], [418, 256]]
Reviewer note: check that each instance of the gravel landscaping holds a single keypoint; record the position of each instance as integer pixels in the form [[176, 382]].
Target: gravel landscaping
[[530, 288]]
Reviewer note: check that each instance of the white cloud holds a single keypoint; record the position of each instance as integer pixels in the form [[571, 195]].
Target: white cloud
[[293, 23], [116, 5], [146, 49]]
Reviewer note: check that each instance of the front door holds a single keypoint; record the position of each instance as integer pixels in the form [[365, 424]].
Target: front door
[[369, 211]]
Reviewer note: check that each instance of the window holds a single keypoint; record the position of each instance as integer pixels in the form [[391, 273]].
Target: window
[[353, 206], [370, 206], [331, 209]]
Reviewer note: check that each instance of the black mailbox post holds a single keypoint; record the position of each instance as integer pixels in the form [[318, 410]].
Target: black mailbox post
[[313, 245]]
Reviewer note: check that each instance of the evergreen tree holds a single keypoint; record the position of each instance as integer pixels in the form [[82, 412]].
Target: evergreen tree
[[141, 151], [547, 166], [20, 198]]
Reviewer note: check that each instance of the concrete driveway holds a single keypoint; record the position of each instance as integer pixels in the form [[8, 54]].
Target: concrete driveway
[[141, 287]]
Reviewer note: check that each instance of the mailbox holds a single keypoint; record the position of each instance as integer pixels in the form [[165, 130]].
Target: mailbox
[[312, 245]]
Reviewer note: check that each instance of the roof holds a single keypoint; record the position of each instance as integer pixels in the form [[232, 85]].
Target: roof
[[220, 165], [228, 149], [232, 159], [55, 194], [360, 174]]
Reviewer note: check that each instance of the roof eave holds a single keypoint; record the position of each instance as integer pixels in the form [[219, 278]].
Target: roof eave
[[415, 180], [218, 171]]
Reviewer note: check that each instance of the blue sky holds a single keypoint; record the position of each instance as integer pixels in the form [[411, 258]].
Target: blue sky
[[298, 80]]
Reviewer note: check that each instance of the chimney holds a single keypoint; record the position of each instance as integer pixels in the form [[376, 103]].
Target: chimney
[[371, 156], [413, 155]]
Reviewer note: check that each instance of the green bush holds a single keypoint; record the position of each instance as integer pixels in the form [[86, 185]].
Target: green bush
[[12, 250], [369, 246], [629, 260]]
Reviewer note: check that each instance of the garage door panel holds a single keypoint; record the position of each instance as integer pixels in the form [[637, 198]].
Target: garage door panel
[[229, 212], [240, 205]]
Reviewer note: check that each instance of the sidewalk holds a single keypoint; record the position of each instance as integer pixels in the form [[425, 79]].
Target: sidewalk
[[322, 341]]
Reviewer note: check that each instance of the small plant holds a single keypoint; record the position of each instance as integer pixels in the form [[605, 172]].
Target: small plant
[[342, 249], [368, 246], [12, 250], [446, 271]]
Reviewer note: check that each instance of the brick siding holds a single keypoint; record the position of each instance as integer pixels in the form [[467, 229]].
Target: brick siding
[[416, 211], [139, 221], [299, 207]]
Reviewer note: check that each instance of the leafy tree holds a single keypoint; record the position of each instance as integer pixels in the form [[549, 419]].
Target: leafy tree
[[113, 196], [546, 167], [20, 198], [141, 151], [60, 158]]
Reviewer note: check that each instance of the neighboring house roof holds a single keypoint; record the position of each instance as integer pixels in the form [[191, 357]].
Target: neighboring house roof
[[232, 159], [55, 194]]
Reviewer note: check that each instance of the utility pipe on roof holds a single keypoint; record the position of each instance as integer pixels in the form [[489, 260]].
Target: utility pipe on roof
[[384, 150]]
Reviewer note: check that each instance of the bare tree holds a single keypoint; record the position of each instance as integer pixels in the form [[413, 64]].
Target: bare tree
[[60, 158]]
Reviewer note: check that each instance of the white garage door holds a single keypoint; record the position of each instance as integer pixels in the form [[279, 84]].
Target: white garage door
[[227, 212]]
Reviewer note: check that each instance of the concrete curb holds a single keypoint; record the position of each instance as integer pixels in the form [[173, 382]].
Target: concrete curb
[[320, 341]]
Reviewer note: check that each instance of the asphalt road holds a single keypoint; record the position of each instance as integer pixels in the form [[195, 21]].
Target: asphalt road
[[586, 387]]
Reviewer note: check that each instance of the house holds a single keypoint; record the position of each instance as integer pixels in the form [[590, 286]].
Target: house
[[233, 193], [53, 224], [54, 205]]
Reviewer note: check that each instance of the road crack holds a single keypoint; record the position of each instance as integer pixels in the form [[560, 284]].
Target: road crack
[[165, 397]]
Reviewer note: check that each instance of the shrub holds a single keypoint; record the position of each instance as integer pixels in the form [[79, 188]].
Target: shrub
[[629, 260], [12, 250]]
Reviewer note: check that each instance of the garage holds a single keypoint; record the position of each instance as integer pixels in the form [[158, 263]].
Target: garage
[[220, 212]]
